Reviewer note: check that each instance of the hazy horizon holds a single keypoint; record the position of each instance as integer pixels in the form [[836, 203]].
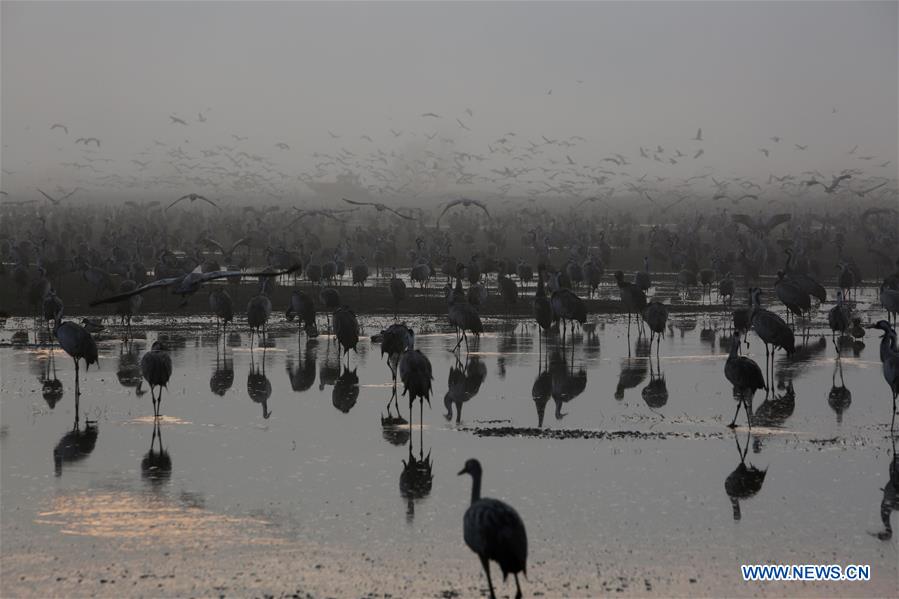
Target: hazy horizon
[[576, 83]]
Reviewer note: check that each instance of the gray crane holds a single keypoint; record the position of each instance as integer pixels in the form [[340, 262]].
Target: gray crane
[[494, 531]]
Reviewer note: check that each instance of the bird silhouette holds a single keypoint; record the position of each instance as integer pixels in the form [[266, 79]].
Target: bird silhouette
[[379, 207], [745, 376], [156, 368], [494, 531], [187, 285], [761, 227], [76, 342], [193, 197], [56, 201], [833, 186], [745, 481], [156, 465], [465, 202]]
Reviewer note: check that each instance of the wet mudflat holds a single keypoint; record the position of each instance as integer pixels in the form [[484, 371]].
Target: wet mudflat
[[278, 471]]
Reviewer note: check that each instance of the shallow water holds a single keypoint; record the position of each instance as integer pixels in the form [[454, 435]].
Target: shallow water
[[611, 456]]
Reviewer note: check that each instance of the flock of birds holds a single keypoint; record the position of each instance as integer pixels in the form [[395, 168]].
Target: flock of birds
[[478, 253]]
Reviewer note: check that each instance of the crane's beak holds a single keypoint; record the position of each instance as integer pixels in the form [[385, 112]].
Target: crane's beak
[[461, 472]]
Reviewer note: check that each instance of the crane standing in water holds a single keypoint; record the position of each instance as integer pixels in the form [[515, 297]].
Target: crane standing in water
[[156, 368], [746, 377], [76, 342]]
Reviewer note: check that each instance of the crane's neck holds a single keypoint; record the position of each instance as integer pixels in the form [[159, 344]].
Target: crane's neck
[[734, 345], [475, 486]]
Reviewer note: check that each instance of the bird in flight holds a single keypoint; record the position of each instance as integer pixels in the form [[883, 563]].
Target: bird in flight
[[461, 124], [200, 117], [666, 207], [775, 139], [852, 151], [176, 120], [829, 188], [55, 201], [466, 202], [594, 199], [698, 135], [193, 197], [764, 151], [698, 153], [800, 147], [367, 138], [282, 145], [59, 126], [431, 115], [333, 135], [239, 138], [187, 285], [396, 133], [861, 192], [379, 207], [229, 253], [318, 212], [760, 227]]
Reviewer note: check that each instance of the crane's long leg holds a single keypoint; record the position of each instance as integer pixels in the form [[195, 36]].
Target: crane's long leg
[[893, 421], [77, 386], [486, 565], [517, 586], [733, 423]]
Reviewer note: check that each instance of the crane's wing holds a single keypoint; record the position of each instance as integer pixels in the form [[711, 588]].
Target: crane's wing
[[242, 241], [46, 196], [225, 274], [777, 219], [208, 201], [214, 243], [482, 207], [138, 290], [876, 187], [674, 203], [400, 214], [71, 193], [745, 220], [176, 201], [448, 206], [354, 203]]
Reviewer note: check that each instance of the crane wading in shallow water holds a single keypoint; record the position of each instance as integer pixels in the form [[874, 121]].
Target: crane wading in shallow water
[[76, 342]]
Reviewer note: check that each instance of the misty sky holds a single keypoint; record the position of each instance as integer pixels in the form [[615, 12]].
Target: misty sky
[[621, 75]]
